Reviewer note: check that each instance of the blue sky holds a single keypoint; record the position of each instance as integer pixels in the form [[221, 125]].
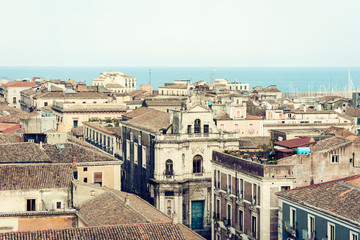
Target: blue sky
[[179, 33]]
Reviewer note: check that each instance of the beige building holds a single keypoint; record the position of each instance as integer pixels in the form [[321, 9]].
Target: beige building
[[172, 89], [72, 115], [116, 81], [11, 91], [310, 119], [31, 100], [105, 138]]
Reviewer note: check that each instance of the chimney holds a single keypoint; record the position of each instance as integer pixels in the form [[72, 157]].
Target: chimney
[[175, 218], [127, 201], [41, 144], [73, 160]]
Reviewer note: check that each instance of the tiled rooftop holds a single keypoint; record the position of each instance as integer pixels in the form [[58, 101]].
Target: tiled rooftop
[[337, 131], [78, 95], [293, 143], [19, 84], [50, 153], [329, 143], [153, 121], [22, 153], [109, 209], [71, 150], [36, 176], [352, 111], [150, 231], [336, 197], [176, 86]]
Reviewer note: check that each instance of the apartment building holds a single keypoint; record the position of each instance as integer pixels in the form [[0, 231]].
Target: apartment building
[[321, 211], [72, 115], [11, 91], [244, 200], [167, 160], [116, 81]]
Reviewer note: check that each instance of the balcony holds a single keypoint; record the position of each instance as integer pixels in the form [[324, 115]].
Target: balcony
[[291, 229], [308, 236], [169, 173]]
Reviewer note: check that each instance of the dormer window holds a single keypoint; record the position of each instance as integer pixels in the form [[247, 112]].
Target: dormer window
[[197, 126]]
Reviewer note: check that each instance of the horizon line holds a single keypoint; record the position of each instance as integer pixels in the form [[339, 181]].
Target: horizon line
[[188, 66]]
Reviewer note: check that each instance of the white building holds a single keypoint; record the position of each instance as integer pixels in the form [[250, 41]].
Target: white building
[[116, 81], [12, 91]]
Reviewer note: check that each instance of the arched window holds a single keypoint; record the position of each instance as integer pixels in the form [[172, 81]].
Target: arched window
[[197, 164], [197, 126], [169, 167]]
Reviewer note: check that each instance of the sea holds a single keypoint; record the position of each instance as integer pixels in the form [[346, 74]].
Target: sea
[[287, 79]]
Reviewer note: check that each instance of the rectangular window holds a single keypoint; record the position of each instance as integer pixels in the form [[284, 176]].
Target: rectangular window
[[229, 183], [251, 126], [241, 220], [218, 209], [331, 231], [206, 129], [45, 104], [254, 196], [85, 169], [354, 236], [135, 153], [218, 179], [143, 157], [58, 205], [14, 100], [292, 217], [311, 226], [253, 226], [284, 188], [98, 178], [75, 123], [241, 188], [85, 179], [335, 158], [30, 204], [127, 149], [228, 215]]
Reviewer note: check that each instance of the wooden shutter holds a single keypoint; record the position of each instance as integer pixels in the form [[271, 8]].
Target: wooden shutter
[[98, 177]]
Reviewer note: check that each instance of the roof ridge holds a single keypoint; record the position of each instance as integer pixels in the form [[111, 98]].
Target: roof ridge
[[319, 184]]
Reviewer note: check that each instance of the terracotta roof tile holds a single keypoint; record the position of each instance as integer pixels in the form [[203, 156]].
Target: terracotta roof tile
[[109, 209], [19, 84], [223, 116], [292, 143], [352, 111], [329, 143], [22, 153], [77, 95], [337, 131], [153, 121], [176, 86], [37, 176], [335, 197], [150, 231], [70, 150], [252, 117], [50, 153]]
